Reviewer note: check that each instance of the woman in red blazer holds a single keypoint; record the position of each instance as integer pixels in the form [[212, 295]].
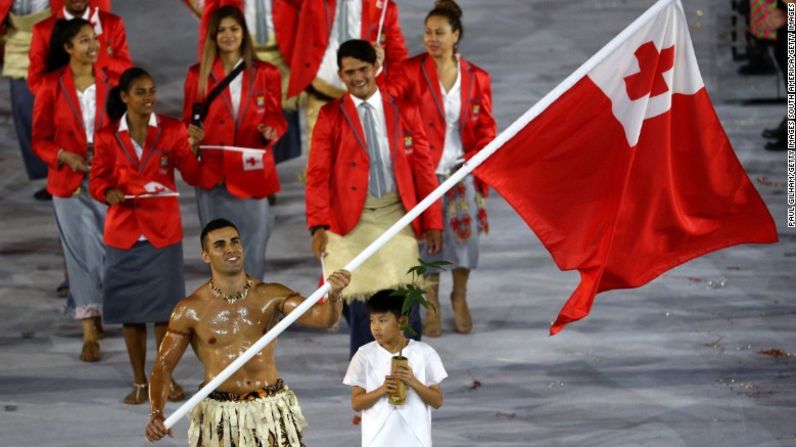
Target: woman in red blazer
[[133, 173], [67, 110], [455, 100], [247, 113]]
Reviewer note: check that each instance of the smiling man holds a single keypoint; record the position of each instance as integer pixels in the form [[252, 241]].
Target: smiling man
[[369, 165], [220, 320]]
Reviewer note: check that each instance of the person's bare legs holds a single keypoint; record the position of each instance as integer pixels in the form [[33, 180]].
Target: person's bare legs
[[135, 339], [91, 349], [461, 313], [431, 324]]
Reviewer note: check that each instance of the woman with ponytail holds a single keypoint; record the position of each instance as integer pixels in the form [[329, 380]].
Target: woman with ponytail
[[133, 173], [232, 99], [69, 107], [455, 100]]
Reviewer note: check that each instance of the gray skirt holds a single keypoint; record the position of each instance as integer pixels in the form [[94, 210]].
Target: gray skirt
[[80, 221], [252, 217], [142, 284], [465, 220]]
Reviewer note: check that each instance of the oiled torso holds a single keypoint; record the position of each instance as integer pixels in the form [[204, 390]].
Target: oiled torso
[[220, 332]]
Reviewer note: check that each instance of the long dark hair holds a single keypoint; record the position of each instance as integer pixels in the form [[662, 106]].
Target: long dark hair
[[63, 33], [452, 12], [210, 50], [115, 107]]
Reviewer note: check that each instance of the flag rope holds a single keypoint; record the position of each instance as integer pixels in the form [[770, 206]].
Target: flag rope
[[468, 167]]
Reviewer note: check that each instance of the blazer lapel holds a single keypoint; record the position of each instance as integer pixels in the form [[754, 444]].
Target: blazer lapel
[[70, 93], [126, 145], [432, 82], [391, 117], [150, 146], [352, 117], [218, 75], [103, 86], [247, 87], [467, 87]]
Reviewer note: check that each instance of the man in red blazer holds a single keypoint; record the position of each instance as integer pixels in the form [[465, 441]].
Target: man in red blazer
[[114, 55], [322, 26], [370, 164]]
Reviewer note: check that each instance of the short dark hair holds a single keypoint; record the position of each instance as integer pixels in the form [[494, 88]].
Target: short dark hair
[[358, 49], [213, 225], [384, 301]]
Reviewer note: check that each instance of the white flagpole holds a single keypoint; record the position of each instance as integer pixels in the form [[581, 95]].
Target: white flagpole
[[381, 20], [468, 167], [152, 195], [211, 147]]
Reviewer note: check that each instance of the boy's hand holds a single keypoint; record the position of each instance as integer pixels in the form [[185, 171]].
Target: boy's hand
[[404, 373], [390, 385]]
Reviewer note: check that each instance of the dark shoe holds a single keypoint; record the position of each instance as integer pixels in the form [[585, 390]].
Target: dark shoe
[[776, 145], [63, 289], [776, 133], [42, 195]]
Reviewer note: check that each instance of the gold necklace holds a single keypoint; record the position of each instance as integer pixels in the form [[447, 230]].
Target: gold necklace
[[218, 293]]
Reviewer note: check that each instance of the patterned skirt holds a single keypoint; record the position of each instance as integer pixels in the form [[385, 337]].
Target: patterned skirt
[[464, 212], [268, 417]]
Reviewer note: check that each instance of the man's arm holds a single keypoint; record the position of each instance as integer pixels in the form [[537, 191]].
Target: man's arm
[[319, 171], [320, 315], [171, 350]]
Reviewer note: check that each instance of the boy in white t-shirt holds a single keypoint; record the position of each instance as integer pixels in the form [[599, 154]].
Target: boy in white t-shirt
[[369, 376]]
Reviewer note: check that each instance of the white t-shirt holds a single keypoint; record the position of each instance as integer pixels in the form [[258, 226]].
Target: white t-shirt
[[88, 108], [383, 424]]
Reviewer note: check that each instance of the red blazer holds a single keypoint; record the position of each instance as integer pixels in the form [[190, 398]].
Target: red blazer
[[261, 103], [416, 80], [58, 124], [285, 16], [312, 37], [338, 169], [116, 165], [104, 5], [113, 54]]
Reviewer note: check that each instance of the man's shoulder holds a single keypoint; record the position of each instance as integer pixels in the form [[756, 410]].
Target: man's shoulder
[[272, 290], [45, 25], [110, 18]]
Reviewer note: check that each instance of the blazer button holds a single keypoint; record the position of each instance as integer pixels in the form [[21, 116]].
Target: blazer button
[[220, 121], [353, 188], [353, 164]]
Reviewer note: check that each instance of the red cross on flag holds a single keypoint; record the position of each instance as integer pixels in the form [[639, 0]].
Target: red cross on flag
[[252, 159], [625, 171]]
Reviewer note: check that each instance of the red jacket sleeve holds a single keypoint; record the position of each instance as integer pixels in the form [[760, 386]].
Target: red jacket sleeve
[[101, 177], [43, 133], [121, 59], [274, 116], [424, 173], [192, 170], [394, 44], [319, 171], [189, 96], [398, 83], [37, 56]]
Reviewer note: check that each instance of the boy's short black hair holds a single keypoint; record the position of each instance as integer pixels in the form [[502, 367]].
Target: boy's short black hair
[[383, 302], [358, 49], [213, 225]]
